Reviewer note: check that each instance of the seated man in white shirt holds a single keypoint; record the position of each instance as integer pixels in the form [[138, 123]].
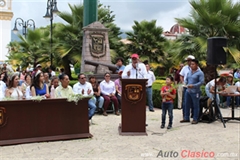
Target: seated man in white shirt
[[85, 88]]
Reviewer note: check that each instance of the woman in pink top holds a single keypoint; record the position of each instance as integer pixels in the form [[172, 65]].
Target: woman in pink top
[[118, 85]]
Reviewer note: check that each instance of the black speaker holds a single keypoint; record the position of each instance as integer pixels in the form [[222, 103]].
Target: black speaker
[[215, 52]]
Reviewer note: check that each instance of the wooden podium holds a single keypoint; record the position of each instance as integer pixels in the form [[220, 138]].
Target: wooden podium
[[133, 107]]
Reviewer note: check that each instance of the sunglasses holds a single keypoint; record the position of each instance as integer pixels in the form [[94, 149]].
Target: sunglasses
[[107, 76], [83, 78]]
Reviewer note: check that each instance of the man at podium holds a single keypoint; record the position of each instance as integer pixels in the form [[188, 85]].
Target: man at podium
[[135, 70]]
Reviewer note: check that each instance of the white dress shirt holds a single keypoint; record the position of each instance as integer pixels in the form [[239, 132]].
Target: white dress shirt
[[107, 87], [53, 73], [2, 89], [185, 71], [28, 93], [237, 84], [151, 78], [139, 73], [78, 87]]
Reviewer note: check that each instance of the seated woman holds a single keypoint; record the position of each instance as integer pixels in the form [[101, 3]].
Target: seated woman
[[108, 91], [54, 84], [237, 97], [38, 88], [22, 77], [97, 92], [63, 90], [229, 83], [26, 86], [210, 88], [118, 84], [13, 90]]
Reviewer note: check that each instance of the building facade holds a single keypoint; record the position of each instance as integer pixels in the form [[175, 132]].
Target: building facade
[[6, 15]]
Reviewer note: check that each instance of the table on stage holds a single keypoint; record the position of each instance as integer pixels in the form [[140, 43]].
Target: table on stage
[[232, 98]]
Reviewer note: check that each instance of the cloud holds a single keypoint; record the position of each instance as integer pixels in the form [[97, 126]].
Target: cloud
[[126, 11]]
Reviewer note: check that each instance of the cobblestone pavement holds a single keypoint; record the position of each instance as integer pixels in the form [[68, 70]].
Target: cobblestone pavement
[[183, 141]]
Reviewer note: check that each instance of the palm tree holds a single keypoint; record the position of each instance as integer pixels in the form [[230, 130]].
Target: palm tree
[[146, 40], [30, 50], [70, 35]]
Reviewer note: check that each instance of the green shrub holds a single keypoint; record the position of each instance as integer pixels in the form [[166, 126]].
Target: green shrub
[[72, 82], [157, 99], [77, 67]]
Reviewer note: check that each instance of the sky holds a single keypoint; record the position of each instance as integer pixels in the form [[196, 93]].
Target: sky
[[126, 11]]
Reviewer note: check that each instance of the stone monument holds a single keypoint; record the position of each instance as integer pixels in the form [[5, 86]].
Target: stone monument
[[95, 49]]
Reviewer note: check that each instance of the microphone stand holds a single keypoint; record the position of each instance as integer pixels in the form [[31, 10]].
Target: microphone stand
[[137, 71]]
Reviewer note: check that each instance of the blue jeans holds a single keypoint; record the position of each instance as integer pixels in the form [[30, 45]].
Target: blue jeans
[[92, 107], [167, 107], [229, 99], [183, 100], [237, 101], [211, 96], [149, 97], [100, 101], [192, 101]]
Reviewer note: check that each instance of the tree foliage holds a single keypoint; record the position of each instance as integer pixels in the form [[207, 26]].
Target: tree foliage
[[146, 39]]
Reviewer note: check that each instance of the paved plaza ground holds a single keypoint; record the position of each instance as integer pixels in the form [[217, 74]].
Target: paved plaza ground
[[183, 141]]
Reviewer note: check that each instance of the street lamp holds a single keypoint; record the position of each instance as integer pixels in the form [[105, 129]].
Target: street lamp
[[24, 24], [51, 9]]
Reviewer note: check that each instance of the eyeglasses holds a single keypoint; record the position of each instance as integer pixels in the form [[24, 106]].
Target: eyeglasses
[[83, 78], [107, 76]]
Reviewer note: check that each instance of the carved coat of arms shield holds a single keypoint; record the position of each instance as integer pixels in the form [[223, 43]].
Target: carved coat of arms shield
[[133, 93], [2, 118], [97, 47]]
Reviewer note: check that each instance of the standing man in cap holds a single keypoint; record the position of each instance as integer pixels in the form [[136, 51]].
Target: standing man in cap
[[135, 70], [183, 76]]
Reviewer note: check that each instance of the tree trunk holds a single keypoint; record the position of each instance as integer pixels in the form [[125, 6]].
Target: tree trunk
[[67, 69]]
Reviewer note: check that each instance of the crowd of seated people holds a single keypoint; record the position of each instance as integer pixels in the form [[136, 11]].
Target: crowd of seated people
[[27, 84]]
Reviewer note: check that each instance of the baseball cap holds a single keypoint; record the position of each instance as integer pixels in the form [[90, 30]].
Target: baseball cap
[[135, 55], [190, 57]]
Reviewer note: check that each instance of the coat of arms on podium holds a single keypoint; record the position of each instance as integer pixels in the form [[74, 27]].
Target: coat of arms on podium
[[133, 93], [2, 112], [97, 47]]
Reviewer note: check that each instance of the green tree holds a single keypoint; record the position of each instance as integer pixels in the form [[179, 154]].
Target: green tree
[[146, 39], [30, 50], [211, 18]]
